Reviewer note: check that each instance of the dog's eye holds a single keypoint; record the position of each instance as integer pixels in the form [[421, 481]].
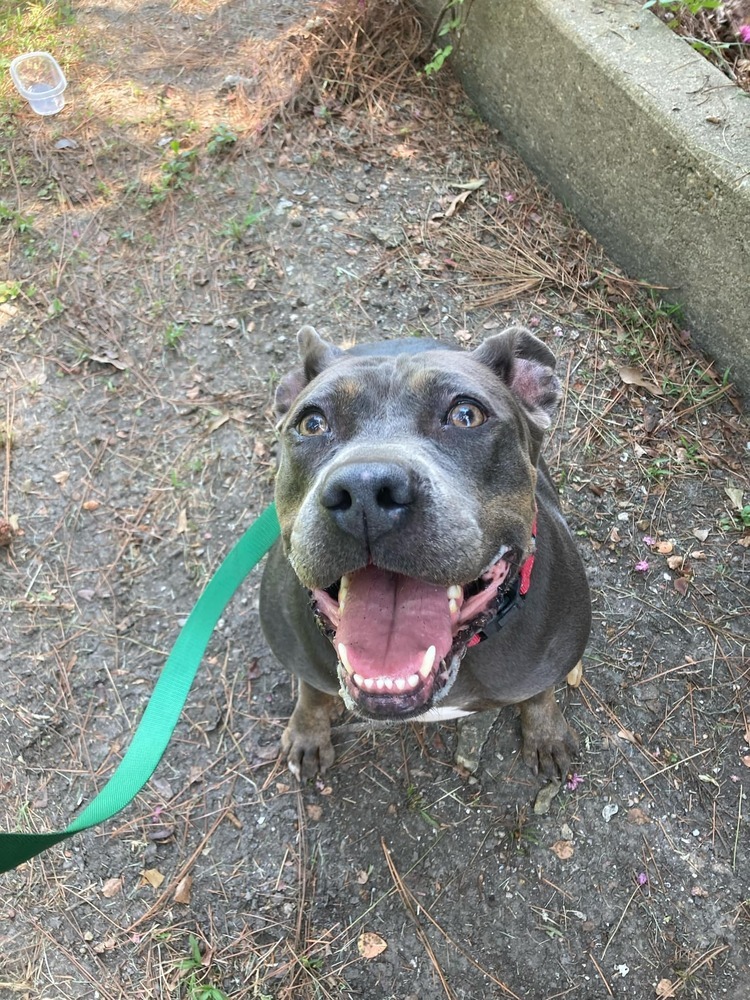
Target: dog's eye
[[312, 424], [466, 413]]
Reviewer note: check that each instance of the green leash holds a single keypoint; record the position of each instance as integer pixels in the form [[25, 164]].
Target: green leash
[[165, 704]]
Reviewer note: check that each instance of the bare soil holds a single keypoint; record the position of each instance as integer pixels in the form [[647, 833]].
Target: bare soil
[[157, 272]]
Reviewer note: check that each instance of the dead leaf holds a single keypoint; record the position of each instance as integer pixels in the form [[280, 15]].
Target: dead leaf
[[163, 787], [674, 562], [90, 505], [314, 812], [107, 359], [182, 522], [701, 533], [182, 892], [681, 584], [665, 989], [746, 760], [744, 541], [627, 734], [563, 849], [735, 495], [41, 798], [61, 478], [111, 887], [663, 548], [545, 796], [473, 185], [747, 736], [455, 202], [361, 877], [219, 422], [631, 376], [153, 877], [637, 816], [108, 944], [698, 890], [370, 945]]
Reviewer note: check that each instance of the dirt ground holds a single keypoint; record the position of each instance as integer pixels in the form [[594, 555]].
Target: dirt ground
[[164, 237]]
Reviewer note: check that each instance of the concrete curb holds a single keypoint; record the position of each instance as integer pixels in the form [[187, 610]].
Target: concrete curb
[[644, 140]]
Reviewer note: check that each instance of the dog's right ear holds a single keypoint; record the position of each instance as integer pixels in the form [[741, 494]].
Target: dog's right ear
[[315, 354]]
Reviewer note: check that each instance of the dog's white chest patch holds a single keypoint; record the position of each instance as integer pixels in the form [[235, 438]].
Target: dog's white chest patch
[[441, 714]]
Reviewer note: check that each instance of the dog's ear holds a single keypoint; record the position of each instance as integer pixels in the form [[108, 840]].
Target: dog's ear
[[527, 366], [315, 355]]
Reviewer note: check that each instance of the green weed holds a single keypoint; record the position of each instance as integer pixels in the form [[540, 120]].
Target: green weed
[[174, 174], [222, 139], [9, 290], [20, 223], [416, 803], [454, 13], [238, 227], [37, 26], [737, 520], [173, 335], [693, 7], [195, 986]]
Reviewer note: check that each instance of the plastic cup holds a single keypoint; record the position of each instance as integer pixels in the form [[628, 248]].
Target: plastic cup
[[38, 78]]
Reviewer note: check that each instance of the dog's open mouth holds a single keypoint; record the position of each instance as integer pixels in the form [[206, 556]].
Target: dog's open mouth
[[400, 640]]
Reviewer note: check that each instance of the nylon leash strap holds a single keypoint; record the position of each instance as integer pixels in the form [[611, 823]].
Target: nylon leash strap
[[167, 700]]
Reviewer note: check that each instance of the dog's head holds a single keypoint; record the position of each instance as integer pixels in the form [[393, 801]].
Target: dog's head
[[405, 494]]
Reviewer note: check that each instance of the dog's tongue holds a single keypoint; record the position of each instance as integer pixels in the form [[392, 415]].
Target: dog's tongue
[[389, 621]]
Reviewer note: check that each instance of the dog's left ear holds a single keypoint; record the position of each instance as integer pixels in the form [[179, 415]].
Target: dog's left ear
[[527, 366], [315, 354]]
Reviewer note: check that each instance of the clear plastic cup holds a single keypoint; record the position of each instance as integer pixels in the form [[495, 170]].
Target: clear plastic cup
[[38, 78]]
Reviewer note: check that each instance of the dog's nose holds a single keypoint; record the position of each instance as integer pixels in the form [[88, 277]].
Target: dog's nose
[[368, 500]]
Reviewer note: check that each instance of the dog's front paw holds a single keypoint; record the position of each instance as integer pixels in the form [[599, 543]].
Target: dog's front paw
[[308, 752], [549, 744], [306, 741]]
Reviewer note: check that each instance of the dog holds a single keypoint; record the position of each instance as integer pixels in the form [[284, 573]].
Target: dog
[[424, 569]]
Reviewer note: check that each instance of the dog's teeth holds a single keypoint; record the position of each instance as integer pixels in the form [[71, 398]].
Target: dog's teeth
[[400, 683], [358, 680], [455, 592], [413, 680], [369, 682], [343, 591], [429, 658], [388, 683], [344, 657], [453, 606], [380, 683]]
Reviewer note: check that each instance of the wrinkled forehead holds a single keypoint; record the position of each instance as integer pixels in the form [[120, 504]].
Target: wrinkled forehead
[[373, 381]]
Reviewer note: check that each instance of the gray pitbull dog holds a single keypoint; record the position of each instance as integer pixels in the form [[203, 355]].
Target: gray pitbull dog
[[417, 519]]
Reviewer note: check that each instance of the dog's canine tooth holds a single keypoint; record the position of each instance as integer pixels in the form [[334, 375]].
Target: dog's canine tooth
[[455, 592], [413, 680], [429, 658], [358, 679], [344, 657], [400, 683], [343, 591], [453, 606]]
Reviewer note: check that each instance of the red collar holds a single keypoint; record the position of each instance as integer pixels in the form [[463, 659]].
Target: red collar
[[514, 596]]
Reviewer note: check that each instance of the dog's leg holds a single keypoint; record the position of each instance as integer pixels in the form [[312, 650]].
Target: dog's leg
[[306, 741], [548, 742]]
